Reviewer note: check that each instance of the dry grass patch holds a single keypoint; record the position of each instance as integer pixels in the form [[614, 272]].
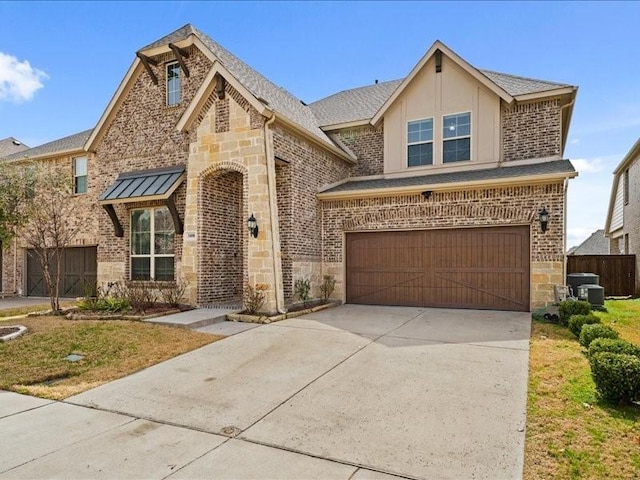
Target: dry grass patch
[[34, 363], [570, 434], [18, 311]]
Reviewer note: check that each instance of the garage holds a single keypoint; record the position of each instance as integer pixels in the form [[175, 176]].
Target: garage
[[79, 272], [480, 268]]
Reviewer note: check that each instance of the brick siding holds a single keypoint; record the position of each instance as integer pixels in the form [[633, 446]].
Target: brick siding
[[531, 130], [367, 143]]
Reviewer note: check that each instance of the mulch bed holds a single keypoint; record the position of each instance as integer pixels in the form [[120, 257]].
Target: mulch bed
[[8, 330]]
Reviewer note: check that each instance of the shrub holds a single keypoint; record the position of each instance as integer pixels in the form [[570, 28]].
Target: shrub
[[254, 298], [172, 292], [577, 321], [590, 332], [327, 287], [613, 345], [109, 298], [572, 307], [141, 295], [302, 289], [617, 376]]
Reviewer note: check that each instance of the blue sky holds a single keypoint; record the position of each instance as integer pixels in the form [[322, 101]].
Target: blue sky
[[78, 52]]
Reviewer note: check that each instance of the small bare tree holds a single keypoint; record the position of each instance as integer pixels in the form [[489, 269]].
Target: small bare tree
[[50, 227]]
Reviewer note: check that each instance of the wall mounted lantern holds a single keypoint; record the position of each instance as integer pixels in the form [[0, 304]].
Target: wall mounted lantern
[[252, 224], [544, 219]]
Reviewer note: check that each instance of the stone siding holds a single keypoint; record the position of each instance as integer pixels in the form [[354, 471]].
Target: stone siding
[[531, 130], [367, 143], [310, 169], [469, 208]]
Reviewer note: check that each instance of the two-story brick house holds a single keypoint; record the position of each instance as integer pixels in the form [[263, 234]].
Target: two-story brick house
[[423, 191]]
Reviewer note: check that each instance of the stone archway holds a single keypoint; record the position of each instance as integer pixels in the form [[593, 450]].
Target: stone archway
[[222, 238]]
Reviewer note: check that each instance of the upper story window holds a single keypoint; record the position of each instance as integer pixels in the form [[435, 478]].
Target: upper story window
[[152, 253], [174, 84], [80, 175], [456, 135], [626, 187], [420, 142]]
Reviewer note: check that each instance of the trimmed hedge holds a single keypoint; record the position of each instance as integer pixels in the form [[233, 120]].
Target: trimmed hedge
[[613, 345], [577, 321], [590, 332], [569, 308], [617, 376]]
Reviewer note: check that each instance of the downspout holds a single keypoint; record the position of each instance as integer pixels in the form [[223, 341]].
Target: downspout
[[15, 265], [564, 229], [273, 210]]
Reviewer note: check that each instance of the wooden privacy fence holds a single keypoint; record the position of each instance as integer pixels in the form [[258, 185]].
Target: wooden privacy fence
[[617, 272]]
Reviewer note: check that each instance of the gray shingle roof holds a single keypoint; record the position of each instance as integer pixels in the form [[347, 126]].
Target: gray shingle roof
[[515, 85], [145, 183], [596, 244], [353, 105], [10, 145], [277, 98], [364, 102], [72, 142], [557, 166]]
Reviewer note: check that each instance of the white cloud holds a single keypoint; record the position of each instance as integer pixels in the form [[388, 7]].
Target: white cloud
[[19, 81], [588, 165], [575, 141]]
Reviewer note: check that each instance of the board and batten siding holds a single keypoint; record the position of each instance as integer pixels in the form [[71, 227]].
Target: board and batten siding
[[618, 206]]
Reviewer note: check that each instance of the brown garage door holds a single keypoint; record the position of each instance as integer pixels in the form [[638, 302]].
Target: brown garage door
[[79, 268], [485, 268]]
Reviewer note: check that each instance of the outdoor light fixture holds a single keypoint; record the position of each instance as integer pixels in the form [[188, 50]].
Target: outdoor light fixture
[[544, 219], [426, 194], [252, 224]]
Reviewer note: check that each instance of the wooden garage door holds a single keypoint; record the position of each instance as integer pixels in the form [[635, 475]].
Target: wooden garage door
[[484, 268], [79, 269]]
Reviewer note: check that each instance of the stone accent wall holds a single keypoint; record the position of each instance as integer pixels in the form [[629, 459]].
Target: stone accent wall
[[141, 136], [367, 142], [87, 212], [481, 207], [310, 169], [531, 130]]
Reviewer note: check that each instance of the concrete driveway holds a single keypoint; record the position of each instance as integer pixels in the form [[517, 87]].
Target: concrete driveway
[[353, 392]]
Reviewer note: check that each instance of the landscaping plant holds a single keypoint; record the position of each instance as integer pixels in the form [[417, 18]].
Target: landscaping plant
[[302, 289], [590, 332], [172, 293], [254, 298], [617, 376], [328, 286], [577, 321], [572, 307]]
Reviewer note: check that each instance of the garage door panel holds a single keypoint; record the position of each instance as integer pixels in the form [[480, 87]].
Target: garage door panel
[[79, 272], [462, 268]]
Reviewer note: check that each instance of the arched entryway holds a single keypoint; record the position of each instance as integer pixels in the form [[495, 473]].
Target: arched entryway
[[222, 238]]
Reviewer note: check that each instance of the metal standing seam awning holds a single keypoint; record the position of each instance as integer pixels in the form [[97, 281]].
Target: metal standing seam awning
[[142, 186]]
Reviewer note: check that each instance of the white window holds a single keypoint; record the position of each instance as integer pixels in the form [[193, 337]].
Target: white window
[[456, 134], [152, 254], [420, 142], [80, 175], [173, 84]]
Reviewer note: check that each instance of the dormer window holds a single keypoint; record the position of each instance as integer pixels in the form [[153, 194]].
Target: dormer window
[[420, 142], [174, 84], [456, 134]]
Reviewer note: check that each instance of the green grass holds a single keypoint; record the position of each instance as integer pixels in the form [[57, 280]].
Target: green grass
[[570, 433]]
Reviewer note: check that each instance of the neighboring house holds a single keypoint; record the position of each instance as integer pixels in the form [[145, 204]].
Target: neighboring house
[[422, 191], [10, 145], [623, 216], [596, 244]]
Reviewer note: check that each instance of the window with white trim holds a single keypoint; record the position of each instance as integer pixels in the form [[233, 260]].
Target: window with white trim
[[152, 252], [174, 84], [80, 175], [420, 142], [456, 135]]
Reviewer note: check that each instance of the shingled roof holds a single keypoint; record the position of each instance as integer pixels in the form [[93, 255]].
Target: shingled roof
[[559, 167], [70, 143], [10, 145], [362, 103], [275, 97]]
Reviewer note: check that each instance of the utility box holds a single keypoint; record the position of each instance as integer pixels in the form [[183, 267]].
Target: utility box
[[594, 294]]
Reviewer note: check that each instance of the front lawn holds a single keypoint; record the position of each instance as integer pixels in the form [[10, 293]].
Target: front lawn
[[570, 433], [35, 363]]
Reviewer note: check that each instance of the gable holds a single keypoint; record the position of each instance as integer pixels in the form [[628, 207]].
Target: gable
[[434, 95]]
